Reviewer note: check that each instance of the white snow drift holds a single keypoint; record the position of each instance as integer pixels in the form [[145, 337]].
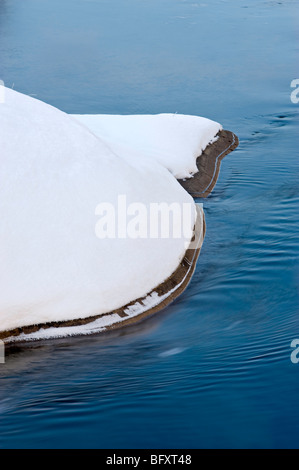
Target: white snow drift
[[54, 171], [173, 140]]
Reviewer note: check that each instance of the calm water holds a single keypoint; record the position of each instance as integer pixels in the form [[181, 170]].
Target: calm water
[[213, 369]]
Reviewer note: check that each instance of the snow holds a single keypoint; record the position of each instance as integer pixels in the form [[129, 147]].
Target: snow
[[173, 140], [54, 172], [102, 323]]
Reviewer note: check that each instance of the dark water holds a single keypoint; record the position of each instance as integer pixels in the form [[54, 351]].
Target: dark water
[[214, 368]]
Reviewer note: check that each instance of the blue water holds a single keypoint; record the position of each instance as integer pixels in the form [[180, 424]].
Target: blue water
[[214, 368]]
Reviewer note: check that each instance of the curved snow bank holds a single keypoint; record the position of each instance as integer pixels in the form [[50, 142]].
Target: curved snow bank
[[173, 140], [149, 304], [53, 174]]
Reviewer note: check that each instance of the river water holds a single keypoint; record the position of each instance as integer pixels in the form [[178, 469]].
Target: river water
[[213, 369]]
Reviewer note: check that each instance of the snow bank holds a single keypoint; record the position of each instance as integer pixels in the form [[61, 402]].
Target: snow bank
[[53, 174], [106, 321], [173, 140]]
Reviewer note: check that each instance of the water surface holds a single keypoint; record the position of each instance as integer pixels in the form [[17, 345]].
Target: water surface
[[214, 368]]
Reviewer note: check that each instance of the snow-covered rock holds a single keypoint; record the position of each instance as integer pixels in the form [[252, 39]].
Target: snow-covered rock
[[173, 140], [54, 172]]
